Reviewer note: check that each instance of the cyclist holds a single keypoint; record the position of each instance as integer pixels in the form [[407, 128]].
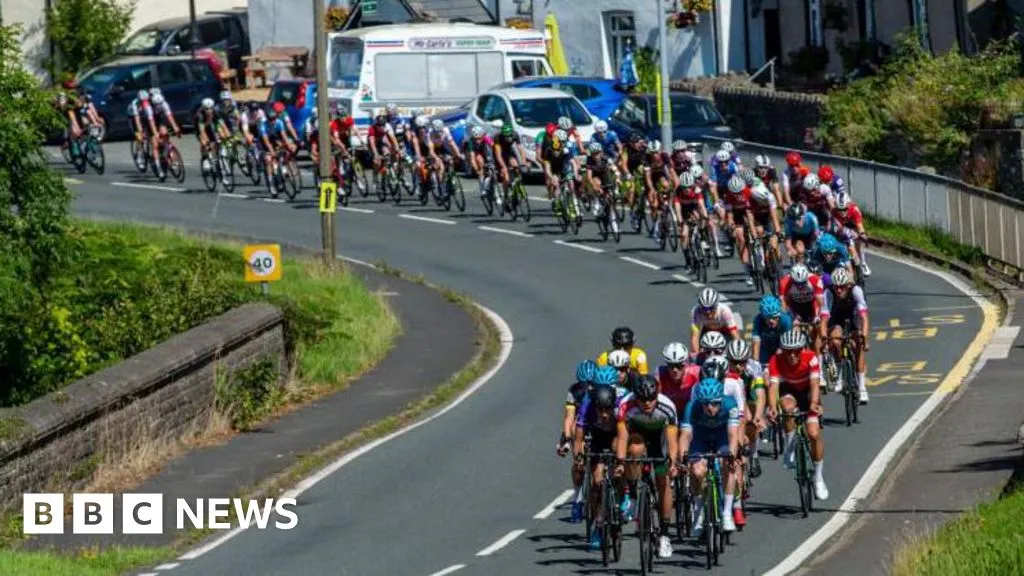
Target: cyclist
[[251, 118], [803, 294], [722, 170], [802, 231], [734, 211], [135, 113], [688, 204], [158, 116], [712, 315], [311, 130], [848, 308], [848, 225], [829, 255], [586, 373], [68, 110], [765, 215], [835, 183], [341, 141], [818, 199], [230, 112], [627, 376], [647, 421], [638, 170], [210, 130], [612, 146], [381, 136], [710, 424], [624, 339], [734, 156], [273, 133], [557, 155], [439, 144], [600, 173], [597, 418], [565, 123], [748, 375], [793, 177], [509, 153], [672, 381], [794, 382], [87, 110], [663, 179], [769, 177], [770, 323], [282, 113]]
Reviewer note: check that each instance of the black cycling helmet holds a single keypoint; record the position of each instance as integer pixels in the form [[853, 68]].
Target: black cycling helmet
[[636, 137], [622, 337], [796, 211], [604, 397], [713, 369], [646, 388]]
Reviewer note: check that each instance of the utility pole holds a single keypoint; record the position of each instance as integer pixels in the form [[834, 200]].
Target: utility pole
[[192, 27], [666, 104], [320, 49]]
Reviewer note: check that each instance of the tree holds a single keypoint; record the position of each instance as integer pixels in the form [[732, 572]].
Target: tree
[[84, 31]]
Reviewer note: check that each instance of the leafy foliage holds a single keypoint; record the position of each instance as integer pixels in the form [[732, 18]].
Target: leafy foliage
[[249, 394], [85, 31], [646, 60]]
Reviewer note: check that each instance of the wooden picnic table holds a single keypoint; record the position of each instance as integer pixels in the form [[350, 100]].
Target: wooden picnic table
[[296, 57]]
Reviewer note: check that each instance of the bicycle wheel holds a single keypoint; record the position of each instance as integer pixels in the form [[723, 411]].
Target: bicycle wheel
[[94, 155], [175, 165], [209, 173], [673, 231], [710, 541], [139, 156], [575, 216], [850, 389], [458, 194], [382, 185], [292, 180], [644, 518], [255, 162], [801, 476], [359, 178], [603, 229], [614, 222], [488, 197], [227, 173]]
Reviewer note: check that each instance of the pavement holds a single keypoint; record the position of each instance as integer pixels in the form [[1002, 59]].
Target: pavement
[[479, 490], [967, 455]]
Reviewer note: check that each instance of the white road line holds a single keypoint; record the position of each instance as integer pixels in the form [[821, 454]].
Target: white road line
[[355, 261], [147, 186], [506, 231], [940, 308], [169, 566], [639, 262], [233, 195], [427, 219], [73, 181], [449, 570], [540, 198], [356, 210], [999, 347], [862, 490], [149, 574], [681, 278], [501, 543], [274, 200], [507, 339], [697, 284], [579, 246], [550, 508]]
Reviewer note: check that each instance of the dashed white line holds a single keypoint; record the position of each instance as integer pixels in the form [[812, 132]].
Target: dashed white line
[[233, 195], [579, 246], [274, 200], [149, 574], [640, 262], [147, 186], [540, 198], [170, 566], [501, 543], [506, 231], [427, 219], [697, 284], [356, 210], [449, 570], [550, 508], [681, 278]]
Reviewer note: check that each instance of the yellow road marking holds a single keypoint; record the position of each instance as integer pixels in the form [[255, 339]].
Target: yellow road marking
[[974, 349]]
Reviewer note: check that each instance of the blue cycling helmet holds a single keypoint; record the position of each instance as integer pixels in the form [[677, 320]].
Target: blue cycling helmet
[[586, 370], [828, 244], [606, 376], [708, 391], [770, 306]]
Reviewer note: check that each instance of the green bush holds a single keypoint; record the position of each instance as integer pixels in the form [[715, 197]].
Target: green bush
[[249, 394], [85, 31]]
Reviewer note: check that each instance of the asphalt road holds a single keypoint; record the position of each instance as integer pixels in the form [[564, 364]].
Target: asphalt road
[[450, 492]]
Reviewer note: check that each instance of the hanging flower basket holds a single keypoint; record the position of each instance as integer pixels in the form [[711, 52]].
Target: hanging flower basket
[[689, 13]]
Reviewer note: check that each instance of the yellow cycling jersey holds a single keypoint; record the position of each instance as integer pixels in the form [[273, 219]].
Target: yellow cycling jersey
[[637, 359]]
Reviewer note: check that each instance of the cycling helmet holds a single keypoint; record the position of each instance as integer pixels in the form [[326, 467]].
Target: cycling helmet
[[207, 103], [708, 298], [618, 359], [738, 351], [156, 99], [225, 95], [728, 147], [155, 92], [686, 180], [635, 138], [826, 174], [678, 145], [561, 135], [143, 95], [841, 277], [279, 107], [793, 159], [606, 376], [762, 161], [600, 127], [748, 176], [421, 122], [654, 146], [476, 132], [736, 184], [799, 273], [437, 124], [811, 182], [391, 109], [770, 306], [646, 389], [828, 244], [564, 123], [842, 202], [623, 337], [674, 353], [697, 170], [722, 156], [586, 370], [604, 397], [715, 366], [507, 130], [761, 193], [709, 391], [712, 340], [595, 147], [796, 212], [793, 340]]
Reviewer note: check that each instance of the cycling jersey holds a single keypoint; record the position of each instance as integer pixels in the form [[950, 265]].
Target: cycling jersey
[[769, 178], [807, 229], [838, 186], [852, 218], [678, 392], [484, 145], [632, 414], [695, 419], [805, 300], [576, 393], [845, 310], [796, 376], [157, 112], [689, 196], [609, 143], [765, 207], [598, 166], [792, 179], [721, 177], [589, 418], [272, 129], [508, 145], [817, 258], [721, 319], [637, 359], [207, 122], [768, 337], [749, 379], [737, 202], [135, 107]]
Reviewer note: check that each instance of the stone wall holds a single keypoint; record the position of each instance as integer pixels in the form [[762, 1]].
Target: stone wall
[[164, 393], [785, 119]]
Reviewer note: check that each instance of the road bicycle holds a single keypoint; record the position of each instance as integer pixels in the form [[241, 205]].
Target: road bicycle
[[849, 352], [284, 176], [490, 197], [170, 160], [89, 151], [569, 215], [713, 536], [141, 154], [668, 225], [448, 189], [646, 505], [387, 180], [516, 199], [611, 517], [218, 168], [804, 472], [682, 502]]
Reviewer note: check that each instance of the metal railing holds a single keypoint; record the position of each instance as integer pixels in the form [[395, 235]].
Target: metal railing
[[770, 66], [974, 216]]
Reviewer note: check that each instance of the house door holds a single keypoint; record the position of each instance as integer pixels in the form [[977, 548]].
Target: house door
[[772, 34]]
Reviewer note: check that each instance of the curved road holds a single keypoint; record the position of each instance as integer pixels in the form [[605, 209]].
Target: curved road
[[474, 488]]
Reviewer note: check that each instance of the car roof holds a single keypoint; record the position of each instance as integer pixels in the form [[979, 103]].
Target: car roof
[[676, 96], [132, 60], [179, 21], [529, 93], [574, 79]]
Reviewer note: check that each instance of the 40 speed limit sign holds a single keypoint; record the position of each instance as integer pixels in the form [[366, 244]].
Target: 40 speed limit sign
[[262, 262]]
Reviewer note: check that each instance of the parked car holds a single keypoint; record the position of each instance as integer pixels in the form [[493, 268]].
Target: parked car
[[600, 96], [693, 118], [224, 31], [183, 81], [529, 110], [299, 98]]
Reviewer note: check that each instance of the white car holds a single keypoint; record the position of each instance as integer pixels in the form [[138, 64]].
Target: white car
[[529, 110]]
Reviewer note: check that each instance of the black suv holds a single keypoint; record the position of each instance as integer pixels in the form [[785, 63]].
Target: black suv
[[226, 31]]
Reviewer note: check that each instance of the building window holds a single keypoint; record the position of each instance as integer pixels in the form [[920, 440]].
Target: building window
[[919, 19], [621, 31], [814, 33]]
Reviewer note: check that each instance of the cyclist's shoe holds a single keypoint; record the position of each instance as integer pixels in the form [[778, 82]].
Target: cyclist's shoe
[[863, 393], [820, 490], [719, 253], [698, 518], [739, 517], [595, 538], [755, 467], [577, 512], [728, 523], [867, 271], [750, 281], [206, 164], [789, 457], [626, 508], [664, 547]]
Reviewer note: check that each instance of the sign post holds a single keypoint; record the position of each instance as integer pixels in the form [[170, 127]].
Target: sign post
[[320, 50], [262, 264], [328, 197]]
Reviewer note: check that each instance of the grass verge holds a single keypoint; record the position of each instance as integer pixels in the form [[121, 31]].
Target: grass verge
[[989, 540], [108, 562], [930, 240]]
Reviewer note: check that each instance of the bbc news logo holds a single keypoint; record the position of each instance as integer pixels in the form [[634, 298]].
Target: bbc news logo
[[144, 513]]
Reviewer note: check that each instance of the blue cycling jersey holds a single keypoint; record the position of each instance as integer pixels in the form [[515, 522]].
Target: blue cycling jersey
[[769, 337], [610, 143], [809, 226], [818, 257], [271, 128], [695, 419], [721, 177]]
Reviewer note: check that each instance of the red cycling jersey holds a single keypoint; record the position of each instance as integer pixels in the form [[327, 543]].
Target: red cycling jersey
[[852, 218], [688, 196], [738, 201], [677, 392], [803, 297], [797, 376]]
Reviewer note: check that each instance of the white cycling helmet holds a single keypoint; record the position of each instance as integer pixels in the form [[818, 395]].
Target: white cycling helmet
[[476, 132], [842, 202], [225, 95], [686, 180], [728, 147], [678, 145], [437, 124], [157, 99], [841, 277], [761, 194], [654, 146], [595, 147], [712, 340], [600, 127], [748, 176], [811, 182], [674, 353], [708, 298], [697, 170], [800, 274], [793, 340], [738, 351], [561, 135], [736, 184], [391, 109], [722, 156], [715, 363], [618, 359], [143, 95], [564, 123], [155, 92], [421, 121], [762, 161]]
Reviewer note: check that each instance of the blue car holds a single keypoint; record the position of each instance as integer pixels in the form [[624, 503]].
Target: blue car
[[600, 96], [693, 118]]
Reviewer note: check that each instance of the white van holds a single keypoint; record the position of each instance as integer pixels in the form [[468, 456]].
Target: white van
[[431, 67]]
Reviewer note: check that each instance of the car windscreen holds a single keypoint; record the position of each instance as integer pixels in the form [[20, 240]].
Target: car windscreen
[[97, 78], [689, 112], [346, 63], [145, 41], [287, 92], [539, 112]]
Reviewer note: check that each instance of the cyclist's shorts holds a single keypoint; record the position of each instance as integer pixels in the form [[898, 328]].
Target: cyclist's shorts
[[843, 317], [715, 440], [764, 220], [739, 216], [802, 312], [601, 440], [802, 397], [653, 440], [688, 210]]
